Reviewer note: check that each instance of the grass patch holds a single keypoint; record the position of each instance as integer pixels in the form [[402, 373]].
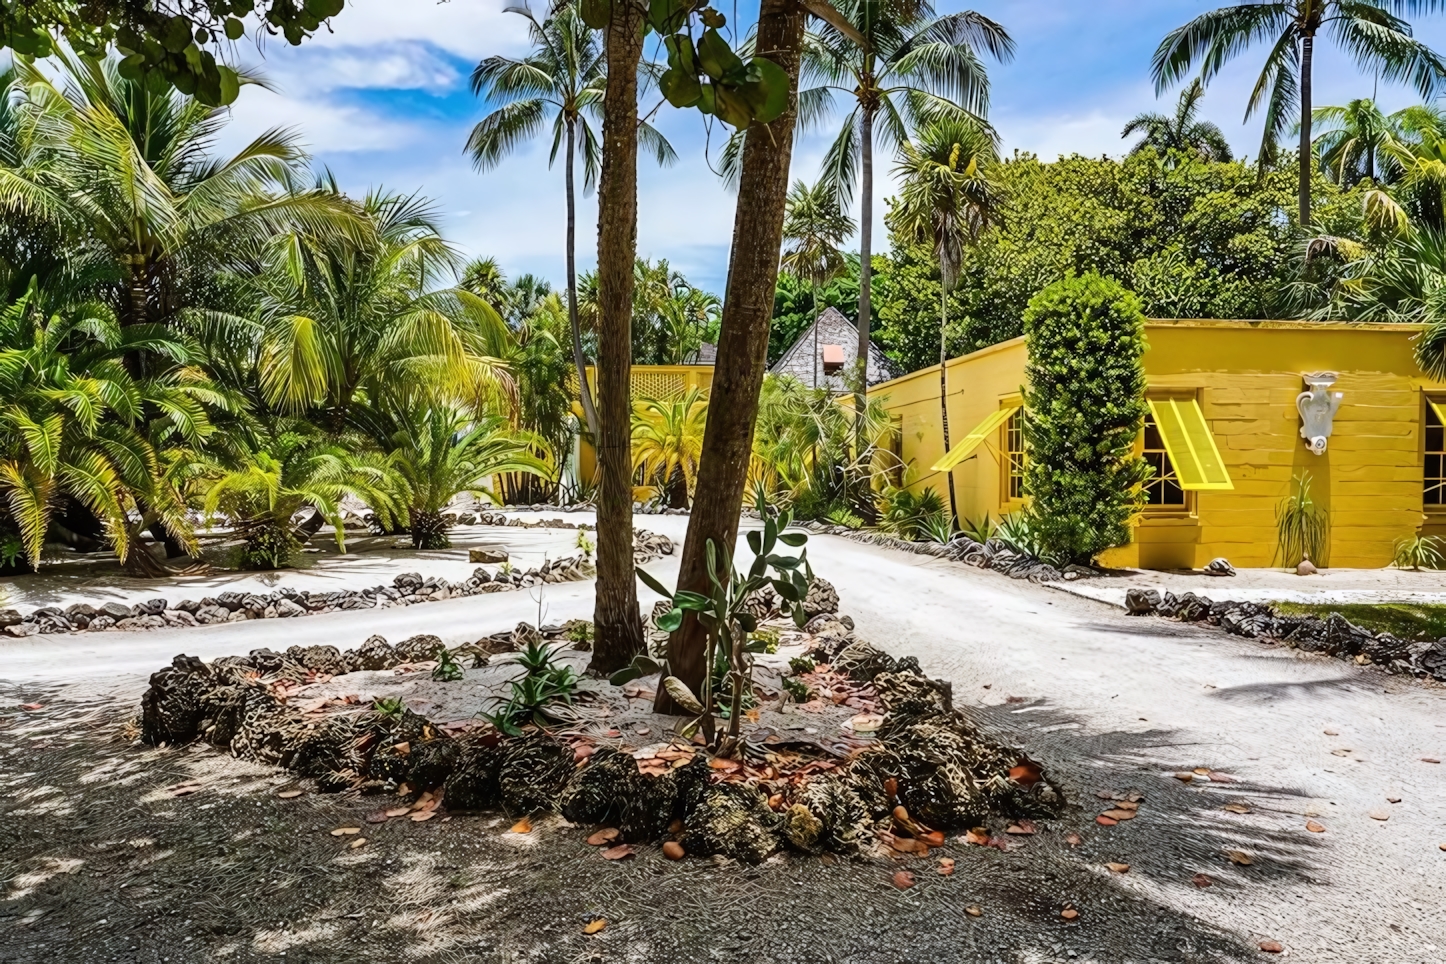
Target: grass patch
[[1402, 620]]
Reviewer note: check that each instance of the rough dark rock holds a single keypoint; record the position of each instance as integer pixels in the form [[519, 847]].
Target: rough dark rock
[[374, 654], [1142, 602], [420, 648], [535, 768], [734, 820]]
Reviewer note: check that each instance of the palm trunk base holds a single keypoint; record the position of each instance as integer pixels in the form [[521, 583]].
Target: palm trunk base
[[429, 531]]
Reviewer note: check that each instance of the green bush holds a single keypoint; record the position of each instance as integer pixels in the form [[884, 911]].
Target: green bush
[[1085, 407]]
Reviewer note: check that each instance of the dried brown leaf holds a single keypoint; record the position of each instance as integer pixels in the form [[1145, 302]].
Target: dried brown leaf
[[1237, 808], [345, 831], [903, 879], [1314, 827], [1271, 947], [1201, 880], [1239, 857], [974, 910], [593, 926], [620, 852], [606, 835], [522, 826], [1119, 868], [946, 866], [289, 794]]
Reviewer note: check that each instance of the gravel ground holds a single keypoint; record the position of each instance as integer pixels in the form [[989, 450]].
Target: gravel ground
[[99, 861]]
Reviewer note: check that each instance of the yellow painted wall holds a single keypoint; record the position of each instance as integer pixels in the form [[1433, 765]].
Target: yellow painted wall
[[1246, 376]]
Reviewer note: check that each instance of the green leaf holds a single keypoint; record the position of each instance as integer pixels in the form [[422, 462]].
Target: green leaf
[[715, 56], [755, 542], [697, 602], [794, 539], [681, 53], [666, 16], [709, 101], [800, 617], [234, 28], [768, 95], [748, 621], [652, 583], [595, 13], [680, 88], [230, 85], [670, 621], [625, 675]]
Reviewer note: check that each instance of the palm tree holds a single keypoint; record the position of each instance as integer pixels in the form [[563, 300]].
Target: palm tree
[[914, 66], [1182, 131], [1372, 32], [440, 453], [78, 425], [341, 318], [813, 228], [564, 76], [263, 483], [126, 171], [668, 440], [947, 199]]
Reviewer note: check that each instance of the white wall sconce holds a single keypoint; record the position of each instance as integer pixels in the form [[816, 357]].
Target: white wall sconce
[[1317, 406]]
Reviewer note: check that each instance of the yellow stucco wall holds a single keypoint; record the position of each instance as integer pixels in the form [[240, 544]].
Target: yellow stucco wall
[[1246, 376], [648, 381]]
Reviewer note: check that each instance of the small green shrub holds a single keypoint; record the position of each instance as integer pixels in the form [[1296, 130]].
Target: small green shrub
[[1015, 532], [1300, 526], [981, 531], [543, 682], [766, 637], [1419, 552], [447, 670], [268, 545], [914, 515], [797, 689], [798, 665], [1086, 405]]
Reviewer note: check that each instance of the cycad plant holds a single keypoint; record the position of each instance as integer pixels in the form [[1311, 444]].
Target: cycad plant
[[668, 441], [263, 484], [76, 424], [564, 76], [947, 198], [439, 454]]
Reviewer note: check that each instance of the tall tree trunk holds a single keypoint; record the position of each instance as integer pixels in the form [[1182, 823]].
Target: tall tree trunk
[[1307, 50], [742, 343], [944, 392], [866, 268], [815, 334], [618, 628], [588, 411]]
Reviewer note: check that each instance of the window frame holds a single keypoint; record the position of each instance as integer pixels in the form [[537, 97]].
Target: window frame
[[1428, 413], [1008, 502], [1188, 509]]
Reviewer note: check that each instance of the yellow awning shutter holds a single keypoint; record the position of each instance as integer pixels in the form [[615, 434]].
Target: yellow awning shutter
[[1436, 407], [971, 441], [1189, 444]]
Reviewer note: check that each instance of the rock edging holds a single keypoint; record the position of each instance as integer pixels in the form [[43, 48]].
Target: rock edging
[[993, 554], [1333, 636]]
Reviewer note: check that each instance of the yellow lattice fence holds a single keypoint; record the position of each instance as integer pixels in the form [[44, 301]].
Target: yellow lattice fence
[[660, 381]]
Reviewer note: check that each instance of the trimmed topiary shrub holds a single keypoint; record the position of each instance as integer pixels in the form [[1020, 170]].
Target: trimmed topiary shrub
[[1085, 405]]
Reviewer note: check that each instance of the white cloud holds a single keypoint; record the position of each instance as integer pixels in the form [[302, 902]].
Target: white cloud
[[409, 65], [322, 124]]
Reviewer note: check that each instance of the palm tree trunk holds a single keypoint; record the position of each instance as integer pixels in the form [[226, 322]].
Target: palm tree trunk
[[742, 342], [588, 411], [1307, 49], [617, 625], [815, 334], [866, 272], [944, 392]]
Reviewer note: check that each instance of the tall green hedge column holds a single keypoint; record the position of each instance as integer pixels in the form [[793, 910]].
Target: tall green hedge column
[[1085, 405]]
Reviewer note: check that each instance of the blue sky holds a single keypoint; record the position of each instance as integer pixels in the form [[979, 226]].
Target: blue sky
[[383, 101]]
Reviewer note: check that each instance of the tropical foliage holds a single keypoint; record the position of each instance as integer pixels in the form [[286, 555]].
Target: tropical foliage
[[1181, 132], [667, 443]]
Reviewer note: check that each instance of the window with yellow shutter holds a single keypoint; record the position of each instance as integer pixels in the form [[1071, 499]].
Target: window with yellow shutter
[[1163, 490], [1434, 471]]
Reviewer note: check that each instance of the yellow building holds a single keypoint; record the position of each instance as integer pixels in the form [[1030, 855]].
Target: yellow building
[[648, 381], [1225, 435]]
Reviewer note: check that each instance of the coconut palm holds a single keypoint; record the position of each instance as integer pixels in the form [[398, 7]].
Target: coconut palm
[[78, 425], [261, 484], [127, 173], [1182, 131], [341, 318], [564, 76], [1373, 34], [946, 199], [440, 453], [814, 226], [914, 66], [1351, 140], [668, 441]]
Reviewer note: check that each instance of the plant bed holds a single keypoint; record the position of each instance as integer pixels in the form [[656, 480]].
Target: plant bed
[[869, 752]]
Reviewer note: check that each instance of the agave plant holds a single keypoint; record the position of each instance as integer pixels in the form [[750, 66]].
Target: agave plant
[[1300, 525], [1419, 552]]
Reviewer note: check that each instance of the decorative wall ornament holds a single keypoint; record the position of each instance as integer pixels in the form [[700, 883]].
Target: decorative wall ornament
[[1317, 406]]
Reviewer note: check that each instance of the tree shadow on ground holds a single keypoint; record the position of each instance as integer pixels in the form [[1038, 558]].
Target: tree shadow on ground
[[113, 851]]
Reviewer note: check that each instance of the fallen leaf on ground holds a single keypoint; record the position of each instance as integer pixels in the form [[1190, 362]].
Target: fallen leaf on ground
[[1314, 827], [1026, 774], [1379, 815], [522, 826], [1271, 947], [1021, 828], [1105, 794], [289, 794], [974, 910], [32, 706], [593, 926], [1341, 752], [1239, 857], [345, 831], [358, 842], [979, 835], [1119, 868], [903, 879], [421, 815], [1119, 814], [946, 866], [673, 850], [619, 852], [907, 845], [1332, 732], [1393, 799], [1217, 777], [1104, 821], [1184, 777], [183, 789], [1237, 808], [718, 763], [1443, 846], [1201, 880], [1069, 913], [866, 722], [398, 811], [1202, 771], [1074, 840], [606, 835], [1127, 805], [402, 749], [1014, 699], [1429, 759]]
